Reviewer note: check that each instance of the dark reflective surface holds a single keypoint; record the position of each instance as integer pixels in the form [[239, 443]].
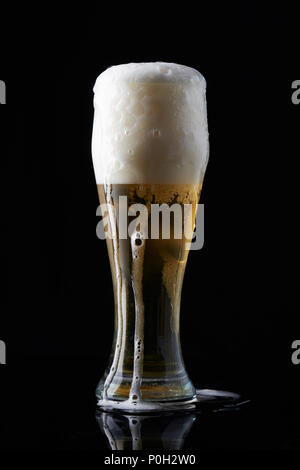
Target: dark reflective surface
[[51, 405], [167, 430]]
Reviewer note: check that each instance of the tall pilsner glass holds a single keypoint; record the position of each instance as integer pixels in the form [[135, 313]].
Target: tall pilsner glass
[[150, 144]]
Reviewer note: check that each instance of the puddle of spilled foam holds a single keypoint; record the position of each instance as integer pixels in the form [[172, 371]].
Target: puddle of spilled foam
[[203, 397]]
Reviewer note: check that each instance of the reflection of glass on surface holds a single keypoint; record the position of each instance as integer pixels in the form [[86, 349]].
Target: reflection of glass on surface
[[132, 432]]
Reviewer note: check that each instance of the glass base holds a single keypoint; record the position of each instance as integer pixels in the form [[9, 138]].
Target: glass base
[[203, 400], [171, 387]]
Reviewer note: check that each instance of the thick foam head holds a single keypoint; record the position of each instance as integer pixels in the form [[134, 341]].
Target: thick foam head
[[150, 124]]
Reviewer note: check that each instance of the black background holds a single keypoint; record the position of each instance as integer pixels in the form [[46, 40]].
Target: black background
[[239, 302]]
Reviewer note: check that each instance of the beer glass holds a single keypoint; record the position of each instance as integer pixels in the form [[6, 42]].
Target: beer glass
[[150, 151]]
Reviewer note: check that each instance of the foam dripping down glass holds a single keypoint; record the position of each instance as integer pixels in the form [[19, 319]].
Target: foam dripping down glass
[[150, 145]]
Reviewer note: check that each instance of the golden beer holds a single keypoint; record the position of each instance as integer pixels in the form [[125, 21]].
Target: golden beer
[[147, 276]]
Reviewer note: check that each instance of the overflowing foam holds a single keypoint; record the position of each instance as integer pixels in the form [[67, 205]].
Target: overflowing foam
[[150, 124]]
